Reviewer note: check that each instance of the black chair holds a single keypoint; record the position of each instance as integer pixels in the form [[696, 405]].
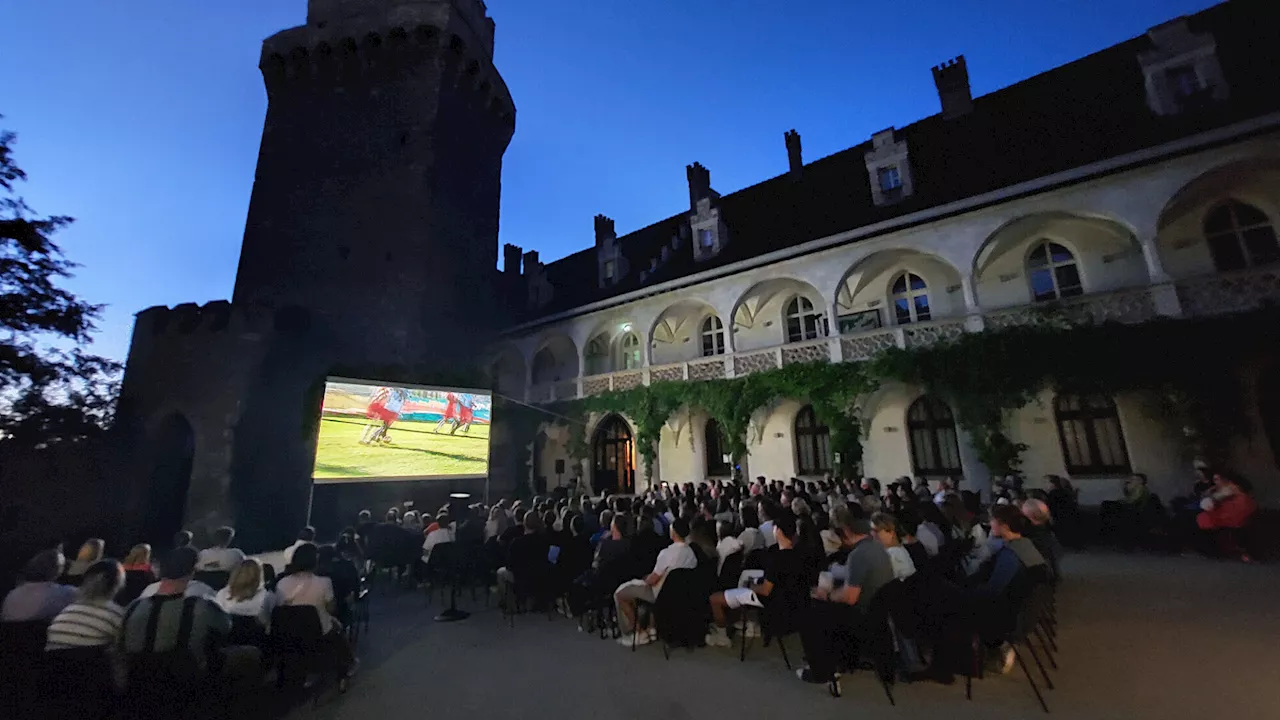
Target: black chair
[[1029, 597], [247, 630], [681, 611], [730, 571], [777, 620], [165, 685], [440, 569], [21, 653], [77, 683], [359, 613], [135, 581], [216, 579], [300, 647]]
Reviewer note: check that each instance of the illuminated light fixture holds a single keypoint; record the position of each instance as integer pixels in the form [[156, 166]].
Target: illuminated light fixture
[[626, 327]]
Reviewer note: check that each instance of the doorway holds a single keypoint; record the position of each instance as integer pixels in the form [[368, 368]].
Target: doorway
[[611, 450], [171, 452]]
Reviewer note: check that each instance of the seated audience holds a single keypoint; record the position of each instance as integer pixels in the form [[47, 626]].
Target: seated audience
[[767, 510], [90, 553], [676, 555], [1040, 533], [174, 619], [784, 587], [246, 594], [835, 624], [751, 538], [305, 587], [39, 596], [184, 538], [344, 575], [442, 532], [885, 529], [528, 566], [908, 526], [138, 574], [221, 557], [93, 620], [1228, 505], [728, 543], [306, 536]]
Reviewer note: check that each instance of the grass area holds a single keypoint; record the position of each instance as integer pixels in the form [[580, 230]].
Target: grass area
[[414, 451]]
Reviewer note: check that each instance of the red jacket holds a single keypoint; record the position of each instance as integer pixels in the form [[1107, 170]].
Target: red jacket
[[1230, 512]]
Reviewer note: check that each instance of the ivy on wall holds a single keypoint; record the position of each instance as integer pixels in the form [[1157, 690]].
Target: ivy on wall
[[1186, 366]]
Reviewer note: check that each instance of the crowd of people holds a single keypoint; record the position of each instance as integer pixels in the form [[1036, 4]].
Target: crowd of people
[[204, 605]]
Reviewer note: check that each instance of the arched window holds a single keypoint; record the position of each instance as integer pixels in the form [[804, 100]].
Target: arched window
[[597, 355], [1089, 428], [813, 444], [1053, 272], [932, 428], [630, 356], [910, 299], [712, 336], [803, 322], [1240, 236], [713, 441], [545, 367]]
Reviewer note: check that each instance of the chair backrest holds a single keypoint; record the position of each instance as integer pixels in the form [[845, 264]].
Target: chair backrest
[[23, 639], [216, 579], [754, 560], [730, 571], [246, 630], [682, 608], [135, 581], [296, 628]]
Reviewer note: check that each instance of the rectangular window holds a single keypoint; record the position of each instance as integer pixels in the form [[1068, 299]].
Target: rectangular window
[[610, 270], [706, 239], [1183, 81], [889, 178]]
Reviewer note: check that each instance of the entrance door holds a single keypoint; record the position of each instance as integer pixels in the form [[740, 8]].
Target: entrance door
[[611, 449]]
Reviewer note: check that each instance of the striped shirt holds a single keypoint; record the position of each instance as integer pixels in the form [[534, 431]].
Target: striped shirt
[[85, 624]]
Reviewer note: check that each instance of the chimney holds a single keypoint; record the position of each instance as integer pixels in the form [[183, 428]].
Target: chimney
[[604, 230], [794, 156], [531, 263], [699, 184], [511, 259], [952, 79]]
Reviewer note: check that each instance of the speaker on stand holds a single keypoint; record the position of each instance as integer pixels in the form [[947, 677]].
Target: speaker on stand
[[458, 509]]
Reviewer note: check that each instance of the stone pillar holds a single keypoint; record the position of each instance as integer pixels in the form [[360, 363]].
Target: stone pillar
[[977, 477], [973, 322], [1164, 295]]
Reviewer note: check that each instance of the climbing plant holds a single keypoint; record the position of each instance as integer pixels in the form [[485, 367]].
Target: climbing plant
[[1186, 365]]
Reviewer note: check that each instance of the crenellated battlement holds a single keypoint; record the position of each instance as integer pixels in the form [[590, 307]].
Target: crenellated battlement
[[218, 317], [334, 53]]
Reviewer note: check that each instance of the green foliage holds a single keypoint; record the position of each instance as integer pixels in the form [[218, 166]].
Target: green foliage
[[50, 388], [1187, 365]]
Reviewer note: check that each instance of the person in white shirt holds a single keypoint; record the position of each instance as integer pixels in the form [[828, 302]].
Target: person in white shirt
[[885, 529], [221, 557], [245, 595], [304, 587], [675, 556], [443, 533], [750, 537], [728, 544], [306, 536]]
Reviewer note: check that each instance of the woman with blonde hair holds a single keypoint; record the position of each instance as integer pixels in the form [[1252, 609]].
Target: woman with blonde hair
[[138, 574], [90, 553], [246, 595]]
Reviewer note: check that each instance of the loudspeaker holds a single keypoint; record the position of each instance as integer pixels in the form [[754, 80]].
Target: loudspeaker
[[458, 505], [560, 467]]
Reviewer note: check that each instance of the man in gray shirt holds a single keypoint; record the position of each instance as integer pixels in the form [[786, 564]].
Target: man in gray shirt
[[170, 621], [837, 619]]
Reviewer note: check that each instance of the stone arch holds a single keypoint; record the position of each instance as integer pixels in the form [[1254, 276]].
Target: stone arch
[[863, 295], [555, 358], [508, 373], [1181, 241], [1107, 254], [757, 316], [676, 333], [171, 447]]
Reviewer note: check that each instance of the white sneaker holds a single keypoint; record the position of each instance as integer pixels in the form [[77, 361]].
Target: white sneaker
[[718, 637], [753, 630]]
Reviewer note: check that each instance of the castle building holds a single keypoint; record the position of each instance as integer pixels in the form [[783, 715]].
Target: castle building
[[1137, 184], [370, 246]]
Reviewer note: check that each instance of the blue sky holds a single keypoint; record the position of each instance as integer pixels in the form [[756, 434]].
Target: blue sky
[[141, 118]]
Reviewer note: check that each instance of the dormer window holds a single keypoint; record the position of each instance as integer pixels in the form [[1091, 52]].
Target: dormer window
[[610, 272], [889, 168], [706, 239], [1182, 70]]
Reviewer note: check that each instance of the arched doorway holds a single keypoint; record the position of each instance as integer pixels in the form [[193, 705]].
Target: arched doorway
[[612, 457], [716, 452], [170, 454]]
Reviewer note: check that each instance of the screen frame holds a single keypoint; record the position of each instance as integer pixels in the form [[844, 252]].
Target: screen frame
[[396, 478]]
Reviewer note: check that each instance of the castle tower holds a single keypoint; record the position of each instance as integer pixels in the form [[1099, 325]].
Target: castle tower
[[375, 204], [371, 241]]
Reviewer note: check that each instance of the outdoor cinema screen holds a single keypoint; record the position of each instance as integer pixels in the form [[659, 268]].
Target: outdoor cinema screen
[[370, 431]]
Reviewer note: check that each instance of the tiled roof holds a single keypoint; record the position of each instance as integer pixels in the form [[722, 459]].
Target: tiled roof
[[1082, 112]]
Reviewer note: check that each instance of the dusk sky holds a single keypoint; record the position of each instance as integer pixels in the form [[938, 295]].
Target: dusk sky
[[141, 118]]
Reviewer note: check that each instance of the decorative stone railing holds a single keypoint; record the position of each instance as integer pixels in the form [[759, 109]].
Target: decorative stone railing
[[1223, 293], [932, 332], [1209, 295], [1127, 306], [866, 345], [809, 351]]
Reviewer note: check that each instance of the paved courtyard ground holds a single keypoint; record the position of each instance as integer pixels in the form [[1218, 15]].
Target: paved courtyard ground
[[1141, 637]]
